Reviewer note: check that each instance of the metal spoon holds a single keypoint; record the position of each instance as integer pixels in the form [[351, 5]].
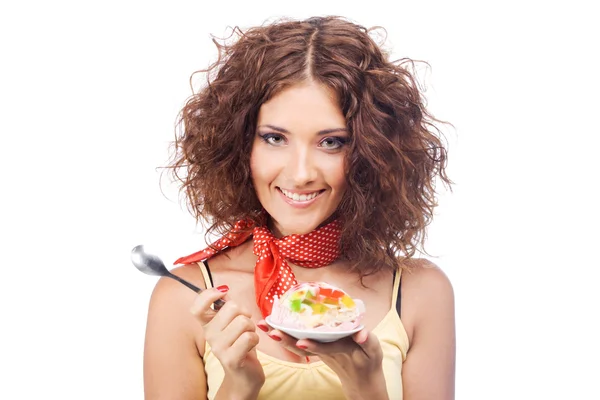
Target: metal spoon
[[153, 265]]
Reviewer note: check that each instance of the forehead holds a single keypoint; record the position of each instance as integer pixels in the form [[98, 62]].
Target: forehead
[[305, 104]]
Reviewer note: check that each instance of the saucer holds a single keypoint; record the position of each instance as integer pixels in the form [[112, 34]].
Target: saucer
[[317, 336]]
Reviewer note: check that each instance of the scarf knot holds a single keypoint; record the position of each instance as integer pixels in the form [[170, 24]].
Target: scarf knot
[[312, 250], [272, 274]]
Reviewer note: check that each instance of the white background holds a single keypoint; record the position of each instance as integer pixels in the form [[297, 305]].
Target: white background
[[89, 95]]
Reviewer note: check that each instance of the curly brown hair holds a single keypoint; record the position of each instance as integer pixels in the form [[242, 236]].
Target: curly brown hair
[[395, 151]]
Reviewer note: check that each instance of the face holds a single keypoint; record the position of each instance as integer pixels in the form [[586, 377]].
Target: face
[[297, 159]]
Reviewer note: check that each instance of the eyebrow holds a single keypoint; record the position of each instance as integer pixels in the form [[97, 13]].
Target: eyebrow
[[321, 132]]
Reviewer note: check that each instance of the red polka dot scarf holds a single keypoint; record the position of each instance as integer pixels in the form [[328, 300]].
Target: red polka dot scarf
[[272, 274]]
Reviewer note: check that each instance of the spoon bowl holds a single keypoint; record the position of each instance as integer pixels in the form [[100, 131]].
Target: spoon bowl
[[151, 264]]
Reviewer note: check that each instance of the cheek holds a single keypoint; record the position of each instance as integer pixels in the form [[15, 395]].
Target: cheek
[[259, 170], [337, 175], [340, 183], [255, 163]]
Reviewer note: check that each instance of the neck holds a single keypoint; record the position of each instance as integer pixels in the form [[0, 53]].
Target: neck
[[278, 232]]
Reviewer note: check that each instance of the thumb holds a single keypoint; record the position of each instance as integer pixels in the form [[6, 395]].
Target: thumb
[[368, 341], [202, 306]]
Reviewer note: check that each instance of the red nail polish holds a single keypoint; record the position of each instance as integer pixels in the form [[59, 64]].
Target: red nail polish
[[301, 346], [263, 328], [223, 288], [276, 338]]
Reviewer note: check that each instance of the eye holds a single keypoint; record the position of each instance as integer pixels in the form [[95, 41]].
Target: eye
[[333, 142], [274, 139]]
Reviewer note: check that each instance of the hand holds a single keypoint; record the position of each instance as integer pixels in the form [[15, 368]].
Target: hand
[[232, 337], [356, 360]]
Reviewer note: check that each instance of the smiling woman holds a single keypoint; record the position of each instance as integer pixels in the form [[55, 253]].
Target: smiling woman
[[298, 157], [314, 157]]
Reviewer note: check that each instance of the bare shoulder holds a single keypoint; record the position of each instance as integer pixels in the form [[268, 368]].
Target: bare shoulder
[[171, 292], [171, 301], [426, 277], [427, 294]]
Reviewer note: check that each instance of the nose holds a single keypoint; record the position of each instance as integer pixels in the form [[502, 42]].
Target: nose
[[301, 167]]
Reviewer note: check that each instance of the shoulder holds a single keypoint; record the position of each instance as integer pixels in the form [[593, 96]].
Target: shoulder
[[168, 288], [424, 276], [427, 294], [171, 301]]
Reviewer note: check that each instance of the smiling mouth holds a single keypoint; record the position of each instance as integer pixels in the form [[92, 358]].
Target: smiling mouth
[[300, 197]]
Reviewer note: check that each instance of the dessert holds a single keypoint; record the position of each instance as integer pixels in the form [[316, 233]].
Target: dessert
[[317, 306]]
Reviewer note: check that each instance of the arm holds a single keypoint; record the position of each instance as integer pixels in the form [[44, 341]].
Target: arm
[[173, 368], [428, 307]]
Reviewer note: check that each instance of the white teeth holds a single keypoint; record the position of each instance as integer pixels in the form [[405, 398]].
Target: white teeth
[[299, 197]]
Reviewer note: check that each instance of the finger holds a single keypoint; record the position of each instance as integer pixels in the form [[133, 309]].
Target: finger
[[288, 342], [226, 315], [240, 350], [201, 307], [245, 343], [318, 348], [368, 341], [236, 328], [263, 326], [361, 337]]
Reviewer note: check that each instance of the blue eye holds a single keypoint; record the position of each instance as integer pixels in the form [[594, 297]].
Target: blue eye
[[333, 142], [273, 139]]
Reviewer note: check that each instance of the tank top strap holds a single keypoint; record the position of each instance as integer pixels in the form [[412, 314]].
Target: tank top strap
[[396, 290], [205, 274]]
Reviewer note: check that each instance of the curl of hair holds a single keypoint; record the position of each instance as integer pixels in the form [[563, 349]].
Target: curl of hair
[[395, 151]]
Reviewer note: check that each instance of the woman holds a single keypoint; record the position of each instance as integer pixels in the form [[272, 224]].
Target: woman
[[305, 135]]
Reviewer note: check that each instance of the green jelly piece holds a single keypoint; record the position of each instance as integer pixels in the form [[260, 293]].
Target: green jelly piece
[[296, 305]]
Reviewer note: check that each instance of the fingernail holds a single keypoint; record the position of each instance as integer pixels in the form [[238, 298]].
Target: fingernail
[[223, 288], [263, 327], [276, 338], [301, 346]]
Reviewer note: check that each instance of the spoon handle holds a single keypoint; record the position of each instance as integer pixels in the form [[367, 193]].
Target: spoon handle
[[216, 305], [186, 283]]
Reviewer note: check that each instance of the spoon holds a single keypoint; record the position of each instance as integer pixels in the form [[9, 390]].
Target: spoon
[[153, 265]]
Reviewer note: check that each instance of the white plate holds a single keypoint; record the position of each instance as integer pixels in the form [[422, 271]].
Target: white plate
[[323, 337]]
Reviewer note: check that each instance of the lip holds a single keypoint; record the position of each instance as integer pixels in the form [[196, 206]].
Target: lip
[[297, 203]]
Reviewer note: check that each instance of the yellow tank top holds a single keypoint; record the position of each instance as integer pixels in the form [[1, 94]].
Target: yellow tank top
[[293, 381]]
